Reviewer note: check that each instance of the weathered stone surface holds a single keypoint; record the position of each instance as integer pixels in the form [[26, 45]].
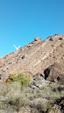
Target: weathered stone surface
[[54, 73], [38, 56], [39, 81], [37, 39]]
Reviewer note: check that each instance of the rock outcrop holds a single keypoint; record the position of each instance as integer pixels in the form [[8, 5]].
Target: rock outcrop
[[53, 72], [35, 57], [32, 78], [37, 39]]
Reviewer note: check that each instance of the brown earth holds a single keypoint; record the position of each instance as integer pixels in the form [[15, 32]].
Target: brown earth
[[34, 57]]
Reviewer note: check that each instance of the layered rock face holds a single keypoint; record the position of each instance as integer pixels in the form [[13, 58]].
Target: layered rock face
[[35, 57], [32, 78]]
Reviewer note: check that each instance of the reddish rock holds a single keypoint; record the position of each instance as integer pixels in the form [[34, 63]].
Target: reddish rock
[[53, 72]]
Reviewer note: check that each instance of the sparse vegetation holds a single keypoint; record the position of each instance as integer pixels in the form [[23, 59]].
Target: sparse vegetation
[[19, 102], [38, 100]]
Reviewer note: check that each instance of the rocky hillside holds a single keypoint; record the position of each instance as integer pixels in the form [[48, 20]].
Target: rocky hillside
[[32, 78], [34, 57]]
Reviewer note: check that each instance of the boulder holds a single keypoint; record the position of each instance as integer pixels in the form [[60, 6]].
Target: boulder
[[56, 35], [50, 38], [37, 39], [39, 81], [54, 73]]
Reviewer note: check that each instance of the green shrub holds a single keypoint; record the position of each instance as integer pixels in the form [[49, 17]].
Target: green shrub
[[2, 105], [19, 102], [23, 78]]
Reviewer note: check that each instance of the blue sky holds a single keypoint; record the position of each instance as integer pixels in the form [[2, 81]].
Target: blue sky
[[22, 20]]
